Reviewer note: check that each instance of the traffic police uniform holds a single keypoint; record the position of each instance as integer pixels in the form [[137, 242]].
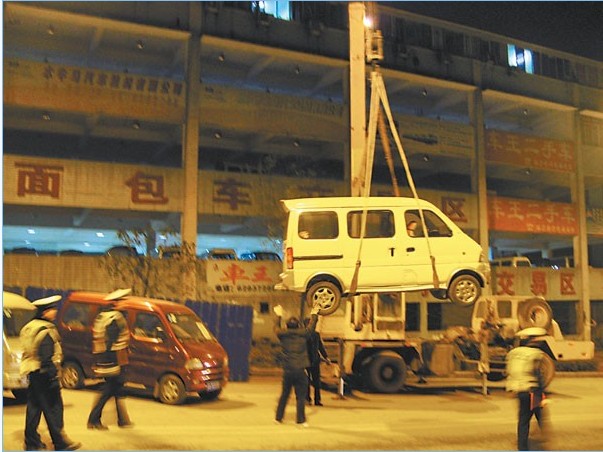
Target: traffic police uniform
[[42, 356], [524, 378], [110, 341]]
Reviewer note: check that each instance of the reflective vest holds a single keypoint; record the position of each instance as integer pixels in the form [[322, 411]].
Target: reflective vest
[[523, 369], [101, 342], [31, 336]]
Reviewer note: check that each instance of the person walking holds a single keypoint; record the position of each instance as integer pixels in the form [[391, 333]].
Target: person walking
[[526, 380], [42, 356], [316, 354], [294, 339], [110, 341]]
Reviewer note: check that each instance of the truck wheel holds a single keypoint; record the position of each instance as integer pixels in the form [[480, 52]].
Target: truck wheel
[[72, 376], [547, 370], [387, 373], [326, 294], [535, 312], [171, 390], [464, 290]]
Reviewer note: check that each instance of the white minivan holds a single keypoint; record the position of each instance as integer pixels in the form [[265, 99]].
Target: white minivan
[[323, 245], [17, 311]]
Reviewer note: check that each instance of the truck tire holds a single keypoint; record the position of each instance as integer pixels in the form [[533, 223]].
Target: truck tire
[[464, 290], [535, 313], [326, 294], [547, 370], [171, 390], [72, 376], [387, 373]]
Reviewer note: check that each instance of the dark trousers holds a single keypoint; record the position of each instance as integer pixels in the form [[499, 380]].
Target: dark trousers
[[293, 379], [314, 380], [525, 415], [44, 397], [113, 387]]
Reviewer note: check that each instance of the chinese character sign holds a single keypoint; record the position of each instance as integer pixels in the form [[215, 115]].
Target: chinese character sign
[[518, 215], [43, 180], [146, 189], [531, 152], [242, 277]]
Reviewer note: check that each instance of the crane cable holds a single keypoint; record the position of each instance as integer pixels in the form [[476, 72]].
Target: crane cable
[[386, 148]]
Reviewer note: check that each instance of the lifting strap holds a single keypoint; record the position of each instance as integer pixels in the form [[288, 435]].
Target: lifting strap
[[378, 94]]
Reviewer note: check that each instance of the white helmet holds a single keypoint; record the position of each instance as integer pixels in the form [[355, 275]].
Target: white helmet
[[533, 331]]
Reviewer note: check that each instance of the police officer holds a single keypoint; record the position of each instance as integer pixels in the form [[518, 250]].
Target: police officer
[[524, 377], [111, 338], [42, 356]]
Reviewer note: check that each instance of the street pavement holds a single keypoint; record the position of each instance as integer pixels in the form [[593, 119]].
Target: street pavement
[[243, 419]]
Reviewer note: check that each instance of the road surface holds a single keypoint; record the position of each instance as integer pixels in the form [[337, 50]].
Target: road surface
[[242, 419]]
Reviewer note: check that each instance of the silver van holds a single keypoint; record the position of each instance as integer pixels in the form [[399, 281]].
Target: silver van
[[17, 311]]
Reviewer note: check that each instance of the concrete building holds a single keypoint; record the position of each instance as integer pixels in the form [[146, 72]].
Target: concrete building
[[202, 115]]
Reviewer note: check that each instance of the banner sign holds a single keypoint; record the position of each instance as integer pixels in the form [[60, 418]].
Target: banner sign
[[519, 215], [242, 277], [529, 151], [94, 91], [594, 221]]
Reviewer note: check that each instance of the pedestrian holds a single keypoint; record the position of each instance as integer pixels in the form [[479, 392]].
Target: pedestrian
[[110, 341], [294, 341], [316, 354], [42, 356], [525, 379]]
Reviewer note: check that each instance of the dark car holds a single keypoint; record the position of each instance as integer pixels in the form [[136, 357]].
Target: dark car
[[122, 250], [260, 256]]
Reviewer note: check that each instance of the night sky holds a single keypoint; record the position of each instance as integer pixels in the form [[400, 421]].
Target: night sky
[[573, 27]]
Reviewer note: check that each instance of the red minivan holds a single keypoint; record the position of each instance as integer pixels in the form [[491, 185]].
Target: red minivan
[[172, 352]]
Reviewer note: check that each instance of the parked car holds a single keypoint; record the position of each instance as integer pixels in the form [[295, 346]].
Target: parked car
[[514, 261], [172, 352], [122, 250], [260, 256], [219, 254], [17, 311]]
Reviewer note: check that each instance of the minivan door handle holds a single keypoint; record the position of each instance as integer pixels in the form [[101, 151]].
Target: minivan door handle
[[410, 250], [391, 251]]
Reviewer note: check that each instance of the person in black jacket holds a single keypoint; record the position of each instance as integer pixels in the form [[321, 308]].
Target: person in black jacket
[[316, 354], [295, 361]]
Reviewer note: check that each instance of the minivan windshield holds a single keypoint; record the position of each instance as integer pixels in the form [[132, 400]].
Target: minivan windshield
[[189, 328], [15, 319]]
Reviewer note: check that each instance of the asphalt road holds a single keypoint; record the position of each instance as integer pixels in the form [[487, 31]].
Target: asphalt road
[[242, 419]]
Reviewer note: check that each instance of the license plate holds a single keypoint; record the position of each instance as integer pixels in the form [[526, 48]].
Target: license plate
[[213, 385]]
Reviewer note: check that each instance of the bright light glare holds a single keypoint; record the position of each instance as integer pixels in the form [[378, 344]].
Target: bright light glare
[[368, 22], [31, 231], [100, 234]]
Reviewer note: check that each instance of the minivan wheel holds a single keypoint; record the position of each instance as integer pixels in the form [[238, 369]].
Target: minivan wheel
[[464, 290], [326, 294], [171, 390], [72, 376]]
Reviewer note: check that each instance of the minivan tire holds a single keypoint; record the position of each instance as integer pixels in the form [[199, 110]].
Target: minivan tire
[[535, 313], [464, 290], [171, 390], [387, 373], [326, 294], [72, 376]]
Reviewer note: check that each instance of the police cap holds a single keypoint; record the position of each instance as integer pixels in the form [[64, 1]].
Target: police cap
[[47, 303], [533, 331]]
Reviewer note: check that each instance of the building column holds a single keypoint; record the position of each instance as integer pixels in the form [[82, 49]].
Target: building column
[[478, 174], [190, 138], [580, 242]]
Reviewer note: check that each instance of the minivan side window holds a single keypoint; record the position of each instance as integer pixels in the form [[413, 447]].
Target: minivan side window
[[318, 225], [435, 225], [77, 315], [149, 325], [379, 224]]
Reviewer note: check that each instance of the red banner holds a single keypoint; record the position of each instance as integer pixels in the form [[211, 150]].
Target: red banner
[[518, 215], [529, 151]]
